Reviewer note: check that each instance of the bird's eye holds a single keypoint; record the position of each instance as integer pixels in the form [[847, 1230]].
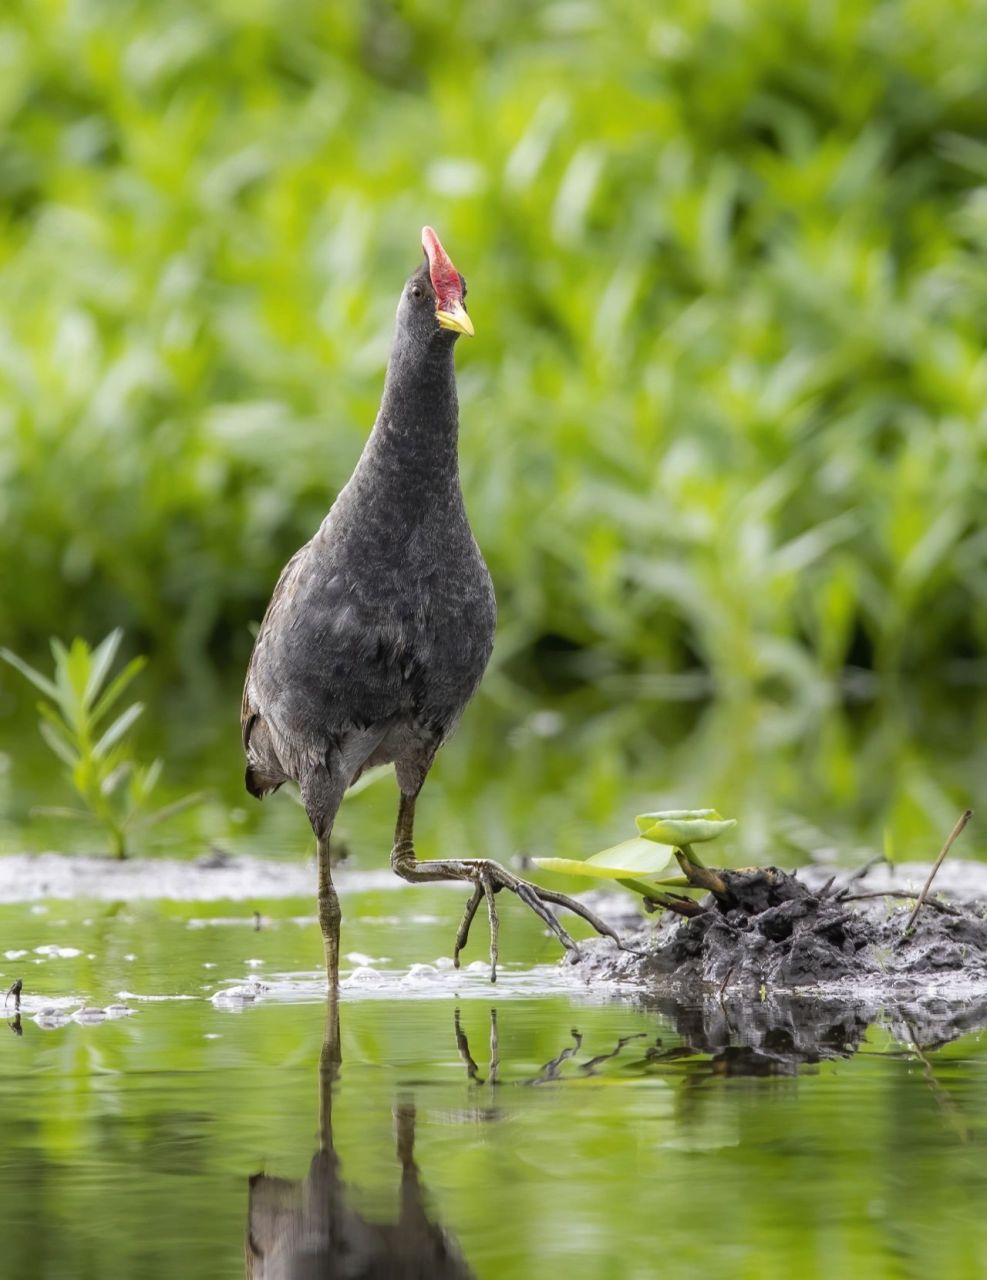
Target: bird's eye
[[416, 291]]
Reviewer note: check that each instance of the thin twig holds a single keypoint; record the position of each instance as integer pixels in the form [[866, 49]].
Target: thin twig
[[898, 893], [943, 1099], [961, 822], [861, 872]]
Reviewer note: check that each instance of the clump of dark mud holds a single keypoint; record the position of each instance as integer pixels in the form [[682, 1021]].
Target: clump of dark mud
[[771, 929]]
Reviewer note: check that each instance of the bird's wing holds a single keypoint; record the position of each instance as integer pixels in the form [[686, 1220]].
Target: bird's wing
[[283, 590], [333, 667]]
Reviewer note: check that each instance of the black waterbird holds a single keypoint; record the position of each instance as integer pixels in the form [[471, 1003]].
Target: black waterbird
[[381, 626]]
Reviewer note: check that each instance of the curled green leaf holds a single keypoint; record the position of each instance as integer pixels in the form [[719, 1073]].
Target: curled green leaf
[[680, 827]]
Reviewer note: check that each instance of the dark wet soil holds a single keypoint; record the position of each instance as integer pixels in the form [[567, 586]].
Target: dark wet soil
[[772, 930]]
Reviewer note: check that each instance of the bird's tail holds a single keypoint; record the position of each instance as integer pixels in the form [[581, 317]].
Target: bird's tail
[[263, 773], [258, 784]]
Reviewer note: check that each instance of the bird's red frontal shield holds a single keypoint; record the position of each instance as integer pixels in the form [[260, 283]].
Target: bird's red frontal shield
[[448, 285], [446, 280]]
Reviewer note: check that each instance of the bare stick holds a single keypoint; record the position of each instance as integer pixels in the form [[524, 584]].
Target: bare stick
[[897, 893], [961, 822]]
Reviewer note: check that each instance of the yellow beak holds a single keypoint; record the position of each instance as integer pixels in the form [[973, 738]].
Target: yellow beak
[[454, 317]]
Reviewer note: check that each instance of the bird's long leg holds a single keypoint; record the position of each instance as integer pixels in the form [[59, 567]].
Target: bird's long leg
[[329, 914], [321, 793], [487, 878]]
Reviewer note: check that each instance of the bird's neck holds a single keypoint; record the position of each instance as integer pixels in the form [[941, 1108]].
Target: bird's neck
[[415, 441]]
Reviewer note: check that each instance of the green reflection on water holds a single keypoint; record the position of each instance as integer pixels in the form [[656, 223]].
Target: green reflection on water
[[566, 777], [615, 1140]]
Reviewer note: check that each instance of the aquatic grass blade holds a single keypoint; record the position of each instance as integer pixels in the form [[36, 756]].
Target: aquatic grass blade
[[57, 743], [117, 686], [117, 729], [61, 811], [40, 682], [169, 810], [100, 661]]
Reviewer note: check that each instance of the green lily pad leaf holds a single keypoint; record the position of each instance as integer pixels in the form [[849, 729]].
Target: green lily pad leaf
[[630, 859], [680, 827]]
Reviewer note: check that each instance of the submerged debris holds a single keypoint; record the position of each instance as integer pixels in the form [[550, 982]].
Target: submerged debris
[[237, 997]]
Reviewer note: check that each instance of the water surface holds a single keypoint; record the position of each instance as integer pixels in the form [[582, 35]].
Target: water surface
[[534, 1127]]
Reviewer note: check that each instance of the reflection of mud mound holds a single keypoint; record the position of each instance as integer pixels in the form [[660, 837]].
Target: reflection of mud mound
[[783, 1033], [770, 1037], [771, 929]]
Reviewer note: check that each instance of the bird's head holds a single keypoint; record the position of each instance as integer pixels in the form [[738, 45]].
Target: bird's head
[[433, 301]]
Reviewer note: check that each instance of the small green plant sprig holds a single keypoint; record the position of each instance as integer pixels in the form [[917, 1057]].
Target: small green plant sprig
[[76, 724], [642, 863]]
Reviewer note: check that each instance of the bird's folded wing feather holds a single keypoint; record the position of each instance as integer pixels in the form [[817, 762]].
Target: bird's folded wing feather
[[328, 661]]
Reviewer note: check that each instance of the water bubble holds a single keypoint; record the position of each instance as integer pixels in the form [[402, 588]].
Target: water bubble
[[364, 975], [419, 973]]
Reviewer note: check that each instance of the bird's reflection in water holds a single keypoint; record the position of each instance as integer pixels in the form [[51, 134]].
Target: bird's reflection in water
[[299, 1230], [303, 1230]]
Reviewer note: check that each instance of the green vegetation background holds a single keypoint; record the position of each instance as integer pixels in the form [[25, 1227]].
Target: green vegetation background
[[725, 407]]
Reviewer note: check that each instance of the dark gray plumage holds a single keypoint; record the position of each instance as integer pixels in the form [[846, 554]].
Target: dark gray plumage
[[381, 626]]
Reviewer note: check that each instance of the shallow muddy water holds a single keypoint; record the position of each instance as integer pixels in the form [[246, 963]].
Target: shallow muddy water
[[497, 1133]]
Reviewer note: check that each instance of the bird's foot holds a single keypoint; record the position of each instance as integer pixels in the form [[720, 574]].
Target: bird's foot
[[489, 878]]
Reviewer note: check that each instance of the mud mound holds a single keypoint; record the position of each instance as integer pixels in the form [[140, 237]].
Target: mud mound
[[771, 929]]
